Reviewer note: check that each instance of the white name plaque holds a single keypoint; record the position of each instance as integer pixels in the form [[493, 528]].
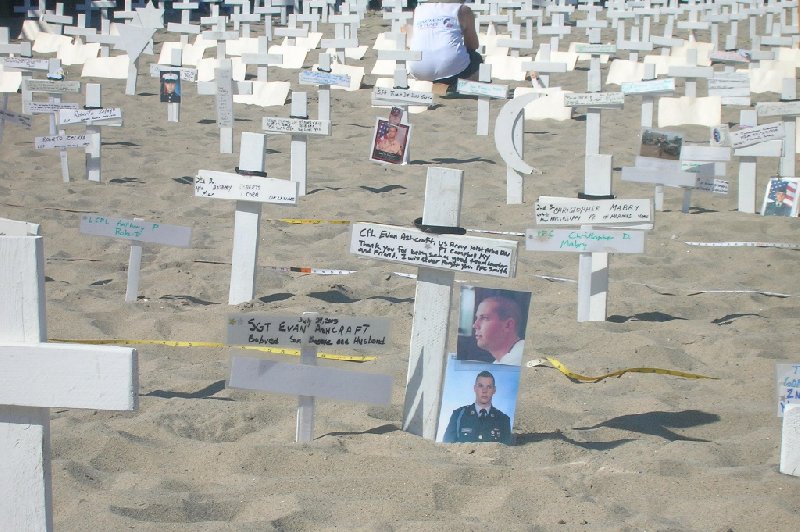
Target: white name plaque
[[594, 99], [296, 125], [45, 85], [568, 211], [316, 77], [224, 185], [447, 252], [79, 116], [476, 88], [140, 230], [584, 240], [60, 141], [384, 96], [778, 108], [653, 86], [756, 134], [42, 108]]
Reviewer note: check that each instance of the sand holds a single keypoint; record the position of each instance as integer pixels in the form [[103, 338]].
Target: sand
[[640, 452]]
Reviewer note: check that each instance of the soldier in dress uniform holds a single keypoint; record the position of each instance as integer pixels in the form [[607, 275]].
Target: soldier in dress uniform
[[480, 421], [170, 87]]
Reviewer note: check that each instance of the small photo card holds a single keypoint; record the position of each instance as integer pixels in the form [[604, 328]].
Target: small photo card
[[389, 142], [661, 144], [780, 198], [491, 325], [170, 86], [479, 401]]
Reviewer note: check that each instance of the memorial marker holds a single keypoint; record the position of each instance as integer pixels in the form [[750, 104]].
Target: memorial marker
[[138, 231], [306, 379], [485, 91], [439, 251], [748, 120], [36, 376]]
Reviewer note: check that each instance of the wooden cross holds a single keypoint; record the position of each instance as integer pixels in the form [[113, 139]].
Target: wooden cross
[[748, 154], [306, 379], [345, 36], [438, 257], [36, 376], [788, 111], [56, 20], [184, 27], [222, 90], [137, 232], [485, 91], [543, 67], [250, 188], [29, 11]]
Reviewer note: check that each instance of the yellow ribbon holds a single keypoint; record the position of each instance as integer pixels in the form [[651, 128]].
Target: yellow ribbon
[[578, 377]]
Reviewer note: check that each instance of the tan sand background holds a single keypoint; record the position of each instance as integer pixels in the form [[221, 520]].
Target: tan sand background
[[641, 452]]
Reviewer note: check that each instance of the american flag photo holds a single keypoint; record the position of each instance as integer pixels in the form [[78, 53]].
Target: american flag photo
[[779, 199]]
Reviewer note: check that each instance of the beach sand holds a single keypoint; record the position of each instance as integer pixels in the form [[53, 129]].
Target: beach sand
[[639, 452]]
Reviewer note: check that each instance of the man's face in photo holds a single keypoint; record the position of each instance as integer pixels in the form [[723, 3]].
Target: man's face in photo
[[484, 391], [490, 330]]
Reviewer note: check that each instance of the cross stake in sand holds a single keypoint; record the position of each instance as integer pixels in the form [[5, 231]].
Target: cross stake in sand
[[36, 376], [306, 379], [439, 250], [250, 187]]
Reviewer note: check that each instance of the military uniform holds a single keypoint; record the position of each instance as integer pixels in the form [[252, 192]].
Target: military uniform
[[467, 425]]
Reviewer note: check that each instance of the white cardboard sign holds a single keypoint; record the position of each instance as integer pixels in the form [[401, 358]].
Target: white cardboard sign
[[139, 230], [655, 86], [447, 252], [316, 77], [594, 99], [756, 134], [568, 211], [46, 85], [61, 141], [385, 96], [788, 389], [79, 116], [224, 185], [476, 88], [585, 240], [296, 125], [296, 331]]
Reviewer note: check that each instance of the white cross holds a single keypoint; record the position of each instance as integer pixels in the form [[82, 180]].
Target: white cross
[[36, 376]]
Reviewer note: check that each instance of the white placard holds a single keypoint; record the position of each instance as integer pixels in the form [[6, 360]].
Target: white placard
[[42, 108], [594, 99], [140, 230], [712, 184], [46, 85], [756, 134], [296, 125], [26, 63], [318, 330], [223, 185], [476, 88], [311, 381], [316, 77], [568, 211], [654, 86], [596, 49], [385, 96], [778, 108], [788, 389], [727, 57], [16, 118], [447, 252], [584, 240], [728, 85], [61, 141], [79, 116], [187, 74]]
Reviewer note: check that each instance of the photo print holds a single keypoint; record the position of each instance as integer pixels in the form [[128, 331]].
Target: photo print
[[780, 198], [661, 144], [170, 86], [479, 401], [491, 325], [389, 142]]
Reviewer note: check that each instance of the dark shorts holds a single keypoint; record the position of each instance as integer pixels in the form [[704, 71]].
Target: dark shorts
[[475, 61]]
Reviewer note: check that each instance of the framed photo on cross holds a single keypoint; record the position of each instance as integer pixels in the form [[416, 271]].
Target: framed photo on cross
[[390, 142], [780, 198]]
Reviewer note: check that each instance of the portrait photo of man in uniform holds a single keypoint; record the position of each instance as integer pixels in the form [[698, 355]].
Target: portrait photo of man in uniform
[[389, 142], [492, 325], [478, 403], [779, 199], [170, 87]]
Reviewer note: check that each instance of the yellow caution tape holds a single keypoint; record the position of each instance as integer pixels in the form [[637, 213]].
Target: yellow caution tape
[[172, 343], [575, 376]]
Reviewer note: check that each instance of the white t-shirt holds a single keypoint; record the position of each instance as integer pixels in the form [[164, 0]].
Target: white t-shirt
[[513, 357], [437, 34]]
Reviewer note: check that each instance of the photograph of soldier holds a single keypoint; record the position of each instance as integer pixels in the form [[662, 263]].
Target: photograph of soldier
[[492, 325], [389, 142], [170, 87], [478, 402], [661, 144], [779, 199]]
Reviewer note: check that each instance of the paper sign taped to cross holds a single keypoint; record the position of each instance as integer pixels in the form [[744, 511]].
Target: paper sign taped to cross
[[61, 141], [447, 252], [655, 86], [584, 240], [476, 88], [316, 77], [318, 330], [224, 185], [140, 230], [296, 125], [756, 134], [44, 85], [788, 380], [384, 96], [594, 99], [79, 116], [552, 210], [41, 108]]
